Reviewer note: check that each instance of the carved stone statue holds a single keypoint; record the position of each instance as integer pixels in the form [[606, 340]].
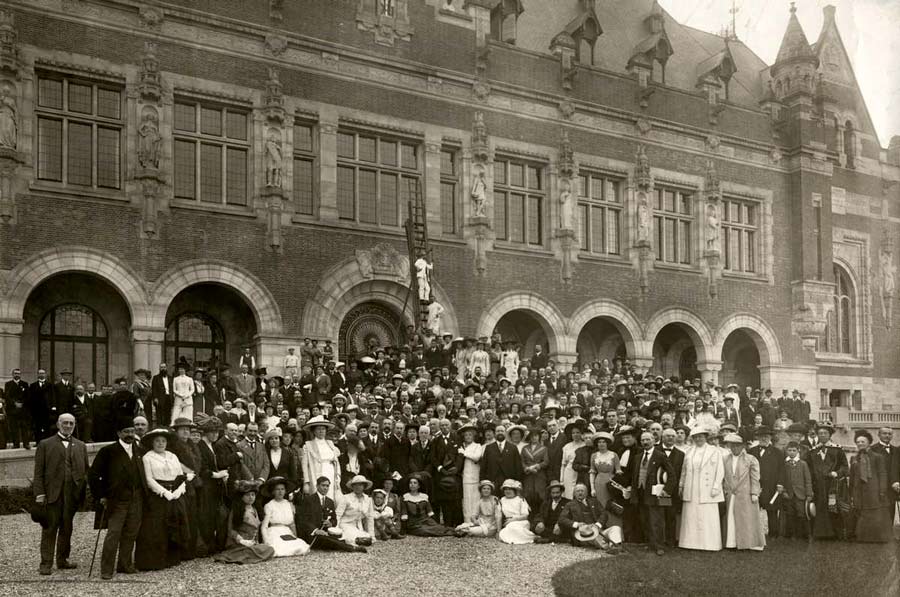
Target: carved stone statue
[[9, 128], [273, 158], [148, 144], [435, 313], [643, 218], [479, 193], [423, 278], [566, 204], [887, 282], [713, 226]]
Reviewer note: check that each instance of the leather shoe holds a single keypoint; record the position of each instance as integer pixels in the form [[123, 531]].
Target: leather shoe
[[106, 576], [660, 552], [44, 571], [131, 570], [66, 566], [360, 549]]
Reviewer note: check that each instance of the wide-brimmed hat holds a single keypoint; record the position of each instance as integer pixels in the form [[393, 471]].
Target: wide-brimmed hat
[[604, 435], [586, 533], [484, 482], [511, 484], [810, 510], [520, 428], [278, 480], [825, 425], [151, 435], [357, 479], [577, 423], [318, 421], [796, 428], [274, 432], [183, 422], [243, 486], [211, 424], [733, 438], [467, 427], [762, 430], [700, 430], [556, 484], [627, 430]]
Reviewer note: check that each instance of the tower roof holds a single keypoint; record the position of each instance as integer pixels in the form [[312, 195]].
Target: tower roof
[[794, 44]]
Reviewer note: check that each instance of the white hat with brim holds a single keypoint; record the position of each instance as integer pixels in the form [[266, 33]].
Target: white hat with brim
[[733, 438], [318, 421], [586, 533], [359, 479], [700, 430]]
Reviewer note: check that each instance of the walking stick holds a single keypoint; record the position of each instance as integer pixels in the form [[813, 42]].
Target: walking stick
[[97, 541]]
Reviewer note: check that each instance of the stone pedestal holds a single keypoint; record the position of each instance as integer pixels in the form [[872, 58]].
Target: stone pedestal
[[9, 163], [709, 371], [478, 228], [150, 180], [274, 201], [713, 270], [812, 301], [567, 244]]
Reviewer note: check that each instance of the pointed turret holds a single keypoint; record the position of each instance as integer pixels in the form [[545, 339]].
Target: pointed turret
[[794, 71], [794, 43]]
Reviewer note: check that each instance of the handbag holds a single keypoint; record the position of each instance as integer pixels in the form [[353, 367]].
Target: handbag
[[615, 507]]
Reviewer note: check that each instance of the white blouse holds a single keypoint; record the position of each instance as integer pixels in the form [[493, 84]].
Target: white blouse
[[160, 467]]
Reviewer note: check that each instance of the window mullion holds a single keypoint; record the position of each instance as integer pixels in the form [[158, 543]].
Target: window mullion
[[223, 197], [197, 169], [95, 154]]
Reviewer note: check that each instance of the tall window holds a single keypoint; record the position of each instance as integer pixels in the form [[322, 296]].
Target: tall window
[[740, 227], [304, 168], [673, 218], [600, 206], [211, 147], [842, 320], [73, 337], [197, 338], [375, 176], [79, 132], [519, 193], [449, 185], [850, 144]]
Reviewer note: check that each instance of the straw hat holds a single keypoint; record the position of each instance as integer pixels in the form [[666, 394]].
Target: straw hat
[[151, 435], [318, 421], [357, 479]]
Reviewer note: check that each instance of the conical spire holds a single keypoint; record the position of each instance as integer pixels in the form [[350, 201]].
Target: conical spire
[[794, 44]]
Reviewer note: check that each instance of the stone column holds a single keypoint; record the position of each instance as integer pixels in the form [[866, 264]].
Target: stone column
[[10, 347], [709, 371], [148, 347], [642, 364], [432, 182], [564, 361], [271, 350], [328, 167]]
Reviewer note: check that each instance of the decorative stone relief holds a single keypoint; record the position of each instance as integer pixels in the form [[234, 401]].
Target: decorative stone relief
[[478, 224], [566, 171], [275, 8], [812, 302], [388, 19], [273, 102], [885, 281], [566, 109], [382, 260], [481, 89], [643, 126], [10, 159], [275, 44], [151, 17], [147, 173], [712, 229], [641, 189]]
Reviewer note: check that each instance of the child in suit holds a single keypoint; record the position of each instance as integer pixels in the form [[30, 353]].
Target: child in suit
[[385, 527], [796, 490]]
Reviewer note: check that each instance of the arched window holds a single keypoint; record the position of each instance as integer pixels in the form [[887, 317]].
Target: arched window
[[73, 338], [842, 321], [195, 338], [849, 143]]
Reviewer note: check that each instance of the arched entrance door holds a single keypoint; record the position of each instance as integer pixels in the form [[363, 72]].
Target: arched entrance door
[[524, 328], [196, 338], [740, 360], [367, 326], [674, 352], [600, 339]]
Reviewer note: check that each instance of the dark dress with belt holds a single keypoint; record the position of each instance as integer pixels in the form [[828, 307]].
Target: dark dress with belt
[[164, 536], [828, 522], [418, 516], [868, 496]]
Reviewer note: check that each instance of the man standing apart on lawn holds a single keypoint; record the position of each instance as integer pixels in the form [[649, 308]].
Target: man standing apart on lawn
[[117, 481], [60, 475]]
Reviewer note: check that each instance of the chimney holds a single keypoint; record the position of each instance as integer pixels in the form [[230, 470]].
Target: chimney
[[829, 14]]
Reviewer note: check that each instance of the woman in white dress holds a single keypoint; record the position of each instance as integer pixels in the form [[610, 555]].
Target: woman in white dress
[[355, 513], [567, 474], [514, 509], [278, 528], [471, 472], [488, 519], [701, 492], [320, 457]]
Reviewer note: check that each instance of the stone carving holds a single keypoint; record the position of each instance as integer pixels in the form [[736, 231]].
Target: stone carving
[[567, 109], [644, 221], [566, 157], [479, 138], [643, 126], [388, 19], [273, 158], [886, 280], [150, 86], [149, 141], [423, 278], [712, 143], [481, 90], [479, 192], [151, 17], [9, 127], [275, 44], [642, 170], [275, 7], [713, 226], [274, 98], [642, 256], [382, 260], [566, 204], [435, 315], [9, 45]]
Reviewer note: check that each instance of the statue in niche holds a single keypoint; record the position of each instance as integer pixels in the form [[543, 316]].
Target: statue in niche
[[423, 277], [713, 227], [148, 144], [9, 128], [435, 313], [479, 193], [888, 272], [643, 218], [273, 158], [566, 204]]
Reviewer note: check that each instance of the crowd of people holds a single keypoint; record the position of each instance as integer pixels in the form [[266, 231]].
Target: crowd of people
[[447, 438]]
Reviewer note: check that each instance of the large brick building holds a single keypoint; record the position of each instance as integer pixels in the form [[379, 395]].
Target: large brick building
[[192, 177]]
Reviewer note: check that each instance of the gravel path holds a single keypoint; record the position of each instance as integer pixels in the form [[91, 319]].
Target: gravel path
[[412, 566]]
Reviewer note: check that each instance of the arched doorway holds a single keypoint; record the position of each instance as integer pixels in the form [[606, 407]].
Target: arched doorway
[[740, 360], [76, 322], [206, 325], [674, 352], [600, 339], [366, 326], [524, 328]]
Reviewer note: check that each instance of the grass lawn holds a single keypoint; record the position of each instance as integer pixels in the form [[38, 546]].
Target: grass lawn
[[786, 568]]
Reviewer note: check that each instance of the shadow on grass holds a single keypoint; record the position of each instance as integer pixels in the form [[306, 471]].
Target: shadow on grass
[[790, 568]]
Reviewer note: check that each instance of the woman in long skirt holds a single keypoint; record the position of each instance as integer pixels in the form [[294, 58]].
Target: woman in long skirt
[[355, 513], [743, 529], [701, 492], [471, 472], [243, 529], [535, 462], [417, 514], [516, 528], [320, 457], [488, 519], [164, 530], [278, 527], [568, 475], [868, 492]]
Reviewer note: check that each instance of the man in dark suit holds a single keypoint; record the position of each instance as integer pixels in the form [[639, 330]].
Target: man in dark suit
[[501, 460], [539, 359], [83, 408], [339, 377], [652, 469], [16, 393], [396, 452], [891, 456], [41, 406], [443, 456], [771, 471], [676, 457], [64, 392], [583, 510], [315, 514], [420, 458], [161, 398], [229, 455], [546, 522], [555, 448], [60, 478], [117, 480]]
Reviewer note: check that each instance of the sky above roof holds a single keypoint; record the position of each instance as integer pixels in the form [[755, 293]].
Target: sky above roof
[[868, 28]]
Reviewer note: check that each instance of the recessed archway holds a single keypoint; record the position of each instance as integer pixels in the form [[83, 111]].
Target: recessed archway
[[605, 329], [740, 360], [541, 313]]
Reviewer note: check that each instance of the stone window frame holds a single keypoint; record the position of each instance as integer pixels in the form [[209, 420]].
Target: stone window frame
[[742, 230], [583, 200], [765, 260], [454, 178], [94, 339], [310, 156], [689, 217], [543, 167], [66, 116]]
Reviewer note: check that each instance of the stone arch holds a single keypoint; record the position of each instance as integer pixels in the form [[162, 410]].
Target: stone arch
[[546, 313], [695, 327], [760, 332], [28, 274], [622, 318], [345, 285], [198, 271]]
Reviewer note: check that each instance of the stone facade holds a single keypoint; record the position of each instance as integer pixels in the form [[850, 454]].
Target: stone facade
[[637, 110]]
